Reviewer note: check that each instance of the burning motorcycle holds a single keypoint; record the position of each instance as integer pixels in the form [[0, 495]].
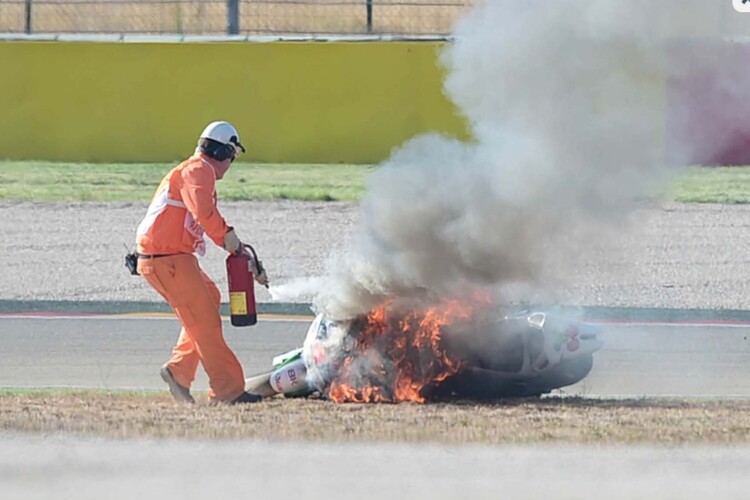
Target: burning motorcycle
[[443, 352]]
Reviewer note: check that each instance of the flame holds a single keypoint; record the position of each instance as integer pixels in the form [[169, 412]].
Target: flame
[[397, 353]]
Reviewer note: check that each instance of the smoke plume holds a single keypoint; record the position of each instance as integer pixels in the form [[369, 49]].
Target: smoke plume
[[565, 101]]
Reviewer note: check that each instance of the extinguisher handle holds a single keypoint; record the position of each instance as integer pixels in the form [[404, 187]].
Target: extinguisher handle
[[254, 255]]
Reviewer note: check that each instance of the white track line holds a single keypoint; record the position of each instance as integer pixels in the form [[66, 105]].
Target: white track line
[[277, 318], [113, 317]]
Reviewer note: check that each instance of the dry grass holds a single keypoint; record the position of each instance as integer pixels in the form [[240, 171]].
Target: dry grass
[[256, 16], [552, 420]]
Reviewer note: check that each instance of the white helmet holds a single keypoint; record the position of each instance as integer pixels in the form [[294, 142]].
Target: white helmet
[[224, 133]]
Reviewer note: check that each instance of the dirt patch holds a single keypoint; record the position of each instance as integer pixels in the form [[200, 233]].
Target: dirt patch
[[525, 421]]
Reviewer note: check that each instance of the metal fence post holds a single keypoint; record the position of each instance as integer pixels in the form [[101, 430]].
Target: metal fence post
[[27, 16], [233, 17], [368, 3]]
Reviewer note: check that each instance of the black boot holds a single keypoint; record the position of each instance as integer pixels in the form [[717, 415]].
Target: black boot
[[247, 397]]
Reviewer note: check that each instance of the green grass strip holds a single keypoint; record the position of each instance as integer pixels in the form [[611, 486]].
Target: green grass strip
[[726, 185], [44, 181]]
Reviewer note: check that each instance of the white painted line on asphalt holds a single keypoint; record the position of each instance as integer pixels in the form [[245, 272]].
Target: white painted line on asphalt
[[687, 324], [276, 318], [141, 317], [644, 397]]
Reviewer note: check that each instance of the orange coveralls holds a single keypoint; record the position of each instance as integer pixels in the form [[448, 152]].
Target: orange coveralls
[[183, 208]]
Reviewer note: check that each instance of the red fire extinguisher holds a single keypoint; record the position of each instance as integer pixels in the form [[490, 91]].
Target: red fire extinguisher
[[242, 287]]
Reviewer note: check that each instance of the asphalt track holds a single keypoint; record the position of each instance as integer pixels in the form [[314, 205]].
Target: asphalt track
[[125, 352], [63, 468], [639, 359]]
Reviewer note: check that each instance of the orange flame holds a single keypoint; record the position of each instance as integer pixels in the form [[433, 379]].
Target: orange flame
[[397, 353]]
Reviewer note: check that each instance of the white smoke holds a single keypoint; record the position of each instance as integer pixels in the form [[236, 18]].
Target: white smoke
[[296, 288], [565, 100]]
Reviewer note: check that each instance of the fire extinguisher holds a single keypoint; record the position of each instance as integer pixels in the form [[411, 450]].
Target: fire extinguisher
[[242, 286]]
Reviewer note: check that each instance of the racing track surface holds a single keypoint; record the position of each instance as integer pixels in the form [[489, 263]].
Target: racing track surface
[[126, 352], [88, 469]]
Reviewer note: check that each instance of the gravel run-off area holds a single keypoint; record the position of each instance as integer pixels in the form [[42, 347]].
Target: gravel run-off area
[[665, 256]]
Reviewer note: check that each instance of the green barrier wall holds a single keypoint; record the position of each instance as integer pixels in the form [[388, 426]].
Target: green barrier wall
[[292, 102]]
